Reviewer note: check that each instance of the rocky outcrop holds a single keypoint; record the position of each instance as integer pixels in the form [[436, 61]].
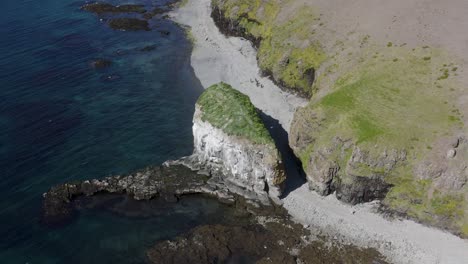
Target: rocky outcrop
[[127, 16], [132, 24], [275, 241], [232, 27], [102, 8], [421, 182], [221, 244], [168, 182], [342, 167], [250, 164]]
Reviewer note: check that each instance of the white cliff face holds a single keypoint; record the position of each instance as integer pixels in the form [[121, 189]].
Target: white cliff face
[[255, 170]]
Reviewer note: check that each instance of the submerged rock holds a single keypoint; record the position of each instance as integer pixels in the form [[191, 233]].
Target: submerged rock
[[154, 12], [101, 8], [164, 32], [230, 137], [148, 48], [165, 182], [100, 63], [132, 24]]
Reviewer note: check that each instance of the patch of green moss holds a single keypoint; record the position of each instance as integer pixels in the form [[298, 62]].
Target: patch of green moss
[[230, 110], [464, 230], [445, 74], [408, 195], [450, 206]]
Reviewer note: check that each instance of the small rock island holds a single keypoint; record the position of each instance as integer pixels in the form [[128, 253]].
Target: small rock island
[[234, 155], [230, 136]]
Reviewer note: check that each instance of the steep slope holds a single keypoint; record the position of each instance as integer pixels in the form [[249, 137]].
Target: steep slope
[[388, 101]]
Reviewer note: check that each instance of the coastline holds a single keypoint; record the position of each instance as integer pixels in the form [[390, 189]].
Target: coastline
[[216, 58], [232, 60]]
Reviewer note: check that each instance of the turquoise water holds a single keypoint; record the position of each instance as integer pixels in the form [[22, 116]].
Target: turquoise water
[[62, 120]]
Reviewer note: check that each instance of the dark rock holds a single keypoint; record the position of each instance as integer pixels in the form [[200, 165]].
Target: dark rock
[[270, 242], [148, 48], [132, 24], [56, 204], [217, 244], [309, 75], [164, 32], [154, 12], [101, 63], [101, 8], [317, 253], [361, 189], [166, 182], [121, 52]]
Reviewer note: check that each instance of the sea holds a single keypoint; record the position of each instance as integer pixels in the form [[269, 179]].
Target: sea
[[63, 120]]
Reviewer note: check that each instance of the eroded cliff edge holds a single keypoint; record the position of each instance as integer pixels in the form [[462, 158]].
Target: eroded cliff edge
[[387, 113]]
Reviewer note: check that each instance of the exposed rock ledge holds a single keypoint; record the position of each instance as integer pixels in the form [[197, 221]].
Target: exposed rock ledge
[[169, 182]]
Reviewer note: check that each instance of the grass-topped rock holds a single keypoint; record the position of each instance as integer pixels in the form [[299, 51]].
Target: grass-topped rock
[[229, 136], [232, 112]]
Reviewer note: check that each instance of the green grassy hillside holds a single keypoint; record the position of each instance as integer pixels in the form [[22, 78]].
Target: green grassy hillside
[[378, 98]]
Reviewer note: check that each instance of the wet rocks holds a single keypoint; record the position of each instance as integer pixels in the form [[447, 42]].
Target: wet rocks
[[163, 181], [102, 8], [131, 24], [219, 244], [154, 12], [164, 32], [265, 240], [148, 48]]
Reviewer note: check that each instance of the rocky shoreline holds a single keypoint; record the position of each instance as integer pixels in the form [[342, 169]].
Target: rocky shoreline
[[258, 234], [235, 170], [364, 225]]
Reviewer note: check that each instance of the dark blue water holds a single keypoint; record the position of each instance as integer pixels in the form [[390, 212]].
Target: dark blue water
[[62, 120]]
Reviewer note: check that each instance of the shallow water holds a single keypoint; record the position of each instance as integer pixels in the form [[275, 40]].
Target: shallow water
[[62, 120]]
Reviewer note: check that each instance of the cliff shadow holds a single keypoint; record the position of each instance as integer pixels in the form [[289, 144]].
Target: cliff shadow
[[295, 176]]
